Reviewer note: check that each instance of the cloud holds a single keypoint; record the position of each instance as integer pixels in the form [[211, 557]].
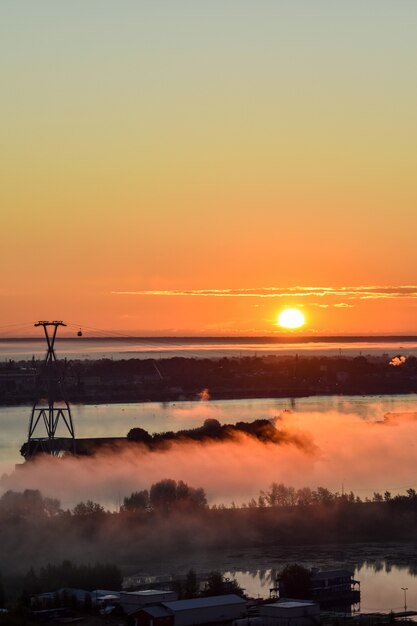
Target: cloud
[[343, 305], [350, 293]]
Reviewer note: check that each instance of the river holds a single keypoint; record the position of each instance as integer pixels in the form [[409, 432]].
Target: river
[[383, 570], [355, 445], [115, 420]]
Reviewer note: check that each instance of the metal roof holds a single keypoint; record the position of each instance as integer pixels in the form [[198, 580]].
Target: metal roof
[[148, 592], [105, 592], [200, 603], [291, 604], [156, 611]]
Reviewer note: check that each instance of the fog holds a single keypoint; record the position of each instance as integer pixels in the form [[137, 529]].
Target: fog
[[334, 450]]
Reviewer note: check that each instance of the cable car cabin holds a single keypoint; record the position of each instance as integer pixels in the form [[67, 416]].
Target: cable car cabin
[[80, 333]]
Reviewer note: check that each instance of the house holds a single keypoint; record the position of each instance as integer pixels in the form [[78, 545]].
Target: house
[[335, 589], [330, 588], [337, 581]]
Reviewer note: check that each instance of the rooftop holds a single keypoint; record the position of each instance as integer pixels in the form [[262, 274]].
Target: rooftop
[[148, 592], [200, 603], [291, 604], [155, 611]]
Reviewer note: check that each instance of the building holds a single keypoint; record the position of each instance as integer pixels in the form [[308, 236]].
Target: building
[[213, 609], [206, 610], [334, 587], [105, 597], [153, 616], [45, 600], [132, 601], [290, 613]]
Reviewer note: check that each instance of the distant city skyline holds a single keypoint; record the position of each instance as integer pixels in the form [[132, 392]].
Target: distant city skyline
[[184, 167]]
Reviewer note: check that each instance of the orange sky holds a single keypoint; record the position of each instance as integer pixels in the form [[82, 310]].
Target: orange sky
[[175, 147]]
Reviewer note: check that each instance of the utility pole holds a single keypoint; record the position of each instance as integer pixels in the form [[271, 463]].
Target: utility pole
[[54, 410]]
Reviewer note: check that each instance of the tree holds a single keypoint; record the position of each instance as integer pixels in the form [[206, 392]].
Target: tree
[[191, 585], [323, 496], [29, 503], [295, 582], [411, 494], [304, 496], [162, 496], [214, 585], [139, 435], [137, 501], [212, 428], [168, 496], [277, 495], [84, 509], [218, 585]]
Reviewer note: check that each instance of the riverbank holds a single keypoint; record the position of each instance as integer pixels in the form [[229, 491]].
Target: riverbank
[[181, 379]]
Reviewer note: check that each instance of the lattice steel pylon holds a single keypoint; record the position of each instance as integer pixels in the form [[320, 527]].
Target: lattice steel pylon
[[54, 410]]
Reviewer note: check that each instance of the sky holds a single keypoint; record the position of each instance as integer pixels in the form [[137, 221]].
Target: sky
[[190, 167]]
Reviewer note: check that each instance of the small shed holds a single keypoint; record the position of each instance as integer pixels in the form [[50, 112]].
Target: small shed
[[290, 612]]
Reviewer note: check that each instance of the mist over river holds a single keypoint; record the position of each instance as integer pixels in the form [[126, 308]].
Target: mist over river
[[359, 443], [351, 446]]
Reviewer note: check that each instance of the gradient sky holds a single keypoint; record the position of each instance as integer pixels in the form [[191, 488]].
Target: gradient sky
[[153, 149]]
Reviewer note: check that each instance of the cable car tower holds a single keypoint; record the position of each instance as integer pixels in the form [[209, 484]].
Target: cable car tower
[[51, 408]]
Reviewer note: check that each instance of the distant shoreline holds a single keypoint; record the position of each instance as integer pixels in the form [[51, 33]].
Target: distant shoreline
[[107, 381], [287, 339]]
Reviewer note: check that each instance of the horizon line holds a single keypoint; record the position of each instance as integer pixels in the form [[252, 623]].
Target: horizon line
[[409, 337]]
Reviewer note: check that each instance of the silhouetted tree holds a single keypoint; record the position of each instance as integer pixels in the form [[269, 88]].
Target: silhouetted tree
[[217, 585], [295, 582], [212, 428], [304, 496], [29, 503], [88, 508], [168, 496], [139, 435], [137, 501], [214, 584], [191, 585]]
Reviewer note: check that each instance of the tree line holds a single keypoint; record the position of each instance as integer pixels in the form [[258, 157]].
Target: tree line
[[211, 430], [109, 380], [168, 496], [279, 495]]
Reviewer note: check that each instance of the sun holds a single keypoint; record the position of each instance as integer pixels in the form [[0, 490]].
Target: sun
[[291, 318]]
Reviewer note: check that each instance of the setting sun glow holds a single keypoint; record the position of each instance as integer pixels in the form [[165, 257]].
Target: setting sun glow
[[290, 318]]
